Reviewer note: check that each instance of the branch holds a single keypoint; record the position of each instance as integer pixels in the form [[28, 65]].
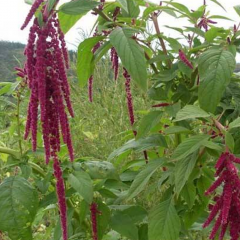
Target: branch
[[9, 152], [156, 25], [102, 14]]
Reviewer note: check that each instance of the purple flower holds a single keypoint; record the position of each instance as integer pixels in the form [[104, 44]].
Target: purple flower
[[184, 59], [94, 212], [90, 89], [61, 197], [227, 206], [31, 13]]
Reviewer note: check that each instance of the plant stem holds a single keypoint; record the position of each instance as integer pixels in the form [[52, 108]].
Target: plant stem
[[102, 14], [151, 64], [156, 26], [19, 124], [9, 151]]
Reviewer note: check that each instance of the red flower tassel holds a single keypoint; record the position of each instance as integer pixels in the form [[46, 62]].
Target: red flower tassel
[[227, 206], [184, 59], [94, 213]]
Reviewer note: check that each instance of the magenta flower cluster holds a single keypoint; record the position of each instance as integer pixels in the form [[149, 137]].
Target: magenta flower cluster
[[184, 59], [45, 70], [90, 80], [115, 62], [129, 97], [61, 197], [47, 79], [94, 212], [226, 209], [204, 22]]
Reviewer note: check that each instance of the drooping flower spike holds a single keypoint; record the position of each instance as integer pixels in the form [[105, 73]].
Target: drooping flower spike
[[130, 105], [94, 212], [184, 59], [45, 70], [90, 80], [115, 62], [226, 209]]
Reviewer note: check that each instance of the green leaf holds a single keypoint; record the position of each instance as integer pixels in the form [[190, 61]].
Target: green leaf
[[219, 4], [102, 51], [78, 7], [19, 205], [124, 225], [140, 145], [191, 112], [143, 177], [131, 54], [130, 8], [189, 194], [164, 222], [51, 4], [102, 219], [215, 68], [182, 8], [189, 146], [148, 122], [176, 129], [237, 9], [136, 213], [100, 170], [85, 63], [68, 21], [235, 124], [212, 33], [183, 170], [82, 183], [229, 141]]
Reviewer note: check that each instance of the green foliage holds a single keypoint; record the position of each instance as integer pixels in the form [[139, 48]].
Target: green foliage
[[131, 54], [195, 118]]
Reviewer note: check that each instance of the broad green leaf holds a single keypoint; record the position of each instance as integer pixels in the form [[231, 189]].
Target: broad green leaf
[[124, 225], [189, 146], [78, 7], [191, 112], [130, 8], [148, 122], [82, 183], [164, 222], [140, 145], [176, 129], [189, 194], [136, 213], [182, 8], [229, 140], [68, 21], [85, 63], [237, 9], [212, 33], [215, 68], [143, 177], [100, 170], [19, 205], [193, 215], [102, 219], [235, 123], [183, 170], [131, 54]]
